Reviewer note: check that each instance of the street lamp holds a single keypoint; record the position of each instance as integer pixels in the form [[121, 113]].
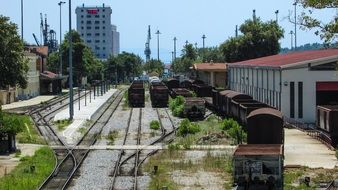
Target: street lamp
[[291, 33], [22, 20], [158, 44], [175, 39], [60, 50], [203, 37], [71, 108], [295, 4], [276, 12]]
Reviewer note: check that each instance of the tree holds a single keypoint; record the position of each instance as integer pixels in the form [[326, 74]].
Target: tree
[[13, 65], [189, 52], [9, 124], [84, 61], [327, 31], [210, 54], [154, 65], [259, 39]]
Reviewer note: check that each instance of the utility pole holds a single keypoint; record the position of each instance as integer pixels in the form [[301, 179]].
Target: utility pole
[[158, 44], [276, 12], [60, 50], [71, 106], [175, 39], [236, 31], [291, 34], [203, 37], [22, 20], [295, 4]]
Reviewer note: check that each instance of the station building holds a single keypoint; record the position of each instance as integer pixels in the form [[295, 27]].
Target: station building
[[213, 74], [294, 83]]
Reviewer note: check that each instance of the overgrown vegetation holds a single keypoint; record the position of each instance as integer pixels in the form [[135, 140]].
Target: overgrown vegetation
[[30, 173], [176, 105], [62, 124], [234, 130], [155, 125], [186, 127], [125, 104], [112, 136]]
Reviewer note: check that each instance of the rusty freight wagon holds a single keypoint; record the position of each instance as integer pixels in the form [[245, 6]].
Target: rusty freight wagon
[[202, 90], [194, 107], [173, 83], [159, 94], [327, 121], [246, 108], [180, 92], [136, 94]]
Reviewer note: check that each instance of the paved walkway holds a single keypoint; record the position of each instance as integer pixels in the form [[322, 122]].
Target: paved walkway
[[24, 103], [81, 116], [301, 149]]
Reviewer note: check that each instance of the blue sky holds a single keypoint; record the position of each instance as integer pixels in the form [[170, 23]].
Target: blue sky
[[185, 19]]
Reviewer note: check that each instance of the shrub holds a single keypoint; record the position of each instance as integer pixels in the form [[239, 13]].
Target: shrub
[[234, 130], [177, 105], [154, 125], [186, 127], [228, 123]]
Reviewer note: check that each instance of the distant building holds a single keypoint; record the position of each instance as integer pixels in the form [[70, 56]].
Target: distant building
[[295, 83], [213, 74], [96, 30]]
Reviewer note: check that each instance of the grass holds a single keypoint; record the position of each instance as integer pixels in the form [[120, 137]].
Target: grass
[[293, 176], [29, 134], [82, 130], [112, 136], [147, 96], [172, 160], [31, 172], [62, 124]]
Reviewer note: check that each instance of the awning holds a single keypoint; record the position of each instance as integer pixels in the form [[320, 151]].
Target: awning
[[327, 86]]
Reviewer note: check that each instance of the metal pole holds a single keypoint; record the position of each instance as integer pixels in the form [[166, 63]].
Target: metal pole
[[71, 108], [22, 20], [90, 94], [158, 44], [276, 12], [203, 37], [60, 50], [186, 43], [291, 33], [175, 39], [78, 92], [295, 4], [85, 96]]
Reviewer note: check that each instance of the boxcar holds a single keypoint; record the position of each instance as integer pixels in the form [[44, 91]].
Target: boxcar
[[188, 83], [265, 126], [202, 90], [235, 104], [173, 83], [246, 108], [180, 92], [235, 96], [327, 121], [221, 101], [194, 107]]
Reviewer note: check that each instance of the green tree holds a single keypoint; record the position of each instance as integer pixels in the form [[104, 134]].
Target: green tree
[[13, 65], [327, 31], [9, 124], [210, 54], [182, 65], [84, 61], [259, 39], [154, 65], [189, 52]]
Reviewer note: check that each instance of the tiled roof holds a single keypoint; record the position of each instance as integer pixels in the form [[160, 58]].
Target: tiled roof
[[210, 66], [258, 149], [281, 60]]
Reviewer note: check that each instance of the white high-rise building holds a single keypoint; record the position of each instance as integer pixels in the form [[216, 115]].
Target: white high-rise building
[[95, 28]]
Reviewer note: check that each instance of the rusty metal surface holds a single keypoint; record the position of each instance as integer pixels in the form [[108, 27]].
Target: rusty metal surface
[[259, 150]]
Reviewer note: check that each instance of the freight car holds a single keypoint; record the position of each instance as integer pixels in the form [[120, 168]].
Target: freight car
[[194, 107], [136, 94], [265, 126], [159, 94], [188, 83], [246, 108], [202, 90], [327, 122], [173, 83], [180, 92]]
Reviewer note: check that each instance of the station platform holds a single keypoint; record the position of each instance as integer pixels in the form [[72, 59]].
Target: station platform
[[25, 103], [85, 113]]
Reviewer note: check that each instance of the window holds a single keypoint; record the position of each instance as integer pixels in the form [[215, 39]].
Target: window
[[97, 27], [97, 41], [97, 16], [97, 47], [103, 22], [81, 16], [81, 10], [300, 99], [97, 34], [82, 27], [104, 34], [89, 22], [89, 41], [81, 21], [292, 99], [89, 16], [82, 34], [103, 48], [103, 27], [88, 27], [104, 41], [103, 16], [89, 34], [97, 22]]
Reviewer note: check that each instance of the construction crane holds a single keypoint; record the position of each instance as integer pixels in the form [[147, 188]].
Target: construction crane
[[49, 36], [147, 51], [36, 40]]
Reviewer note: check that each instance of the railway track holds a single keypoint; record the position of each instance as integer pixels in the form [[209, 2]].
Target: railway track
[[67, 167], [139, 156]]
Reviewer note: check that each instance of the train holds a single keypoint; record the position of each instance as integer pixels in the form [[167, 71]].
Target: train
[[327, 123], [159, 94], [136, 94]]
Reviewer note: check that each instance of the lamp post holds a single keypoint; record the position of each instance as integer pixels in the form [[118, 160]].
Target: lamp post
[[295, 4], [60, 50], [203, 37], [186, 43], [291, 34], [22, 20], [158, 44], [276, 12], [175, 39], [71, 106]]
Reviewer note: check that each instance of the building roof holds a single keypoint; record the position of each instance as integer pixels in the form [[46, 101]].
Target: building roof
[[259, 150], [290, 59], [210, 67], [267, 110]]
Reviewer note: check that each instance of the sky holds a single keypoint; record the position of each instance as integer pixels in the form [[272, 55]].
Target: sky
[[183, 19]]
